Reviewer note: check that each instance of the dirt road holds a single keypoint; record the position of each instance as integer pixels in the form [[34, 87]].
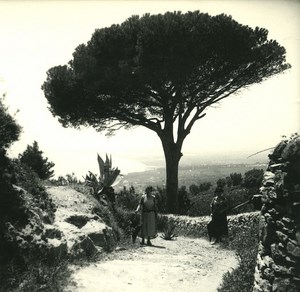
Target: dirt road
[[183, 264]]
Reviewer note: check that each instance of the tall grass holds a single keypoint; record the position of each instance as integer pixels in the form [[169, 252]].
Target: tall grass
[[244, 241]]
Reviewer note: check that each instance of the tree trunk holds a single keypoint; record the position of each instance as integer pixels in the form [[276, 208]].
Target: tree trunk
[[173, 154]]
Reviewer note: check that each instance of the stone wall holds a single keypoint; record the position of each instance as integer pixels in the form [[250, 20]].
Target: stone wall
[[197, 226], [278, 260]]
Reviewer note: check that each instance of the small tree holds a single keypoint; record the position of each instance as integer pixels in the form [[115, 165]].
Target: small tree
[[221, 182], [33, 157], [253, 180], [236, 179]]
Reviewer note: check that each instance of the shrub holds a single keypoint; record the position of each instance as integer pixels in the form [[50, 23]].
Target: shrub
[[9, 129], [128, 198], [196, 189], [183, 201], [238, 195], [169, 231], [253, 178], [236, 179], [33, 157], [200, 204], [244, 241], [124, 219], [109, 219]]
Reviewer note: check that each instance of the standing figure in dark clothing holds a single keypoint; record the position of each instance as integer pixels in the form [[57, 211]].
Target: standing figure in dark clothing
[[148, 209], [218, 226]]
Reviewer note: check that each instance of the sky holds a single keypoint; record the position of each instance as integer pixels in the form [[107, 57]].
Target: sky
[[38, 35]]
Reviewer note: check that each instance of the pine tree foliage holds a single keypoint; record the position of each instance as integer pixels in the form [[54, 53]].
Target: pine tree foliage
[[33, 157], [161, 72], [9, 129]]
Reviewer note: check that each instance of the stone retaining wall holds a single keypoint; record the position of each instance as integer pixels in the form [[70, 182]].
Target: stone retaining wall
[[278, 260], [197, 226]]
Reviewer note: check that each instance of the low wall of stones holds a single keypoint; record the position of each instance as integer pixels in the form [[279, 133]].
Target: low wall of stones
[[197, 226], [278, 260]]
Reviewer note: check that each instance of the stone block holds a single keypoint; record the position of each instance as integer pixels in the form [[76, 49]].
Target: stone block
[[279, 224], [268, 175], [282, 237], [297, 235], [268, 274], [84, 246], [272, 195], [277, 254], [281, 285], [290, 261], [264, 285], [281, 271], [293, 248]]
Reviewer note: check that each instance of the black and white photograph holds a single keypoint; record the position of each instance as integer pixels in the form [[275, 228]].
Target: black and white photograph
[[150, 146]]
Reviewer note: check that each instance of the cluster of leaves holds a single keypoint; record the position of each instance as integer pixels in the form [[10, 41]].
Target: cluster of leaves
[[291, 155], [202, 187], [169, 231], [128, 198], [292, 150], [33, 158], [108, 177], [251, 179], [68, 179], [110, 219], [9, 129]]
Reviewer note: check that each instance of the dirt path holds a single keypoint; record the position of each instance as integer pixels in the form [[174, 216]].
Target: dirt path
[[184, 264]]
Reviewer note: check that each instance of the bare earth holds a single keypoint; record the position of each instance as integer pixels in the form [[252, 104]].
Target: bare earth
[[183, 264]]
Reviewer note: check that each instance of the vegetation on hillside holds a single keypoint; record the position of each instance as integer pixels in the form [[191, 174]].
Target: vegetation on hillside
[[21, 192]]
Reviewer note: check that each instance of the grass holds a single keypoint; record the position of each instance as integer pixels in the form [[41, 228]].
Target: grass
[[244, 241], [34, 276]]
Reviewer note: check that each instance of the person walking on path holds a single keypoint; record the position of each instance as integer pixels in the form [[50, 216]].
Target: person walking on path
[[148, 208], [218, 226]]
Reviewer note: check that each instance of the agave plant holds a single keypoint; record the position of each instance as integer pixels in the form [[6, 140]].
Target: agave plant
[[108, 177], [168, 233]]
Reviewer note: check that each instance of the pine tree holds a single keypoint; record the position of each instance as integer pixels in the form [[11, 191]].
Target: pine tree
[[33, 157]]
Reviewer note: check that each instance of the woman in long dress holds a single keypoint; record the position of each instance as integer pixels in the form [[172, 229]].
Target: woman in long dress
[[218, 226], [148, 208]]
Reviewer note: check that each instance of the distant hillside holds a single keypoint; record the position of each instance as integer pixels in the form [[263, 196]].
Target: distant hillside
[[188, 174]]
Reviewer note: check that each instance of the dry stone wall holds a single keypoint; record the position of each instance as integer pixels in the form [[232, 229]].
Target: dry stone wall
[[278, 260], [197, 226]]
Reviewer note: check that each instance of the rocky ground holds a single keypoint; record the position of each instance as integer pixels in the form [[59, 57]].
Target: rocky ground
[[182, 264]]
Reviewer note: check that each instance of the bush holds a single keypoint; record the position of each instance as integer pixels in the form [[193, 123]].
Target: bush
[[253, 178], [33, 158], [109, 219], [200, 204], [244, 241], [183, 201], [236, 196], [9, 129], [236, 179], [128, 198]]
